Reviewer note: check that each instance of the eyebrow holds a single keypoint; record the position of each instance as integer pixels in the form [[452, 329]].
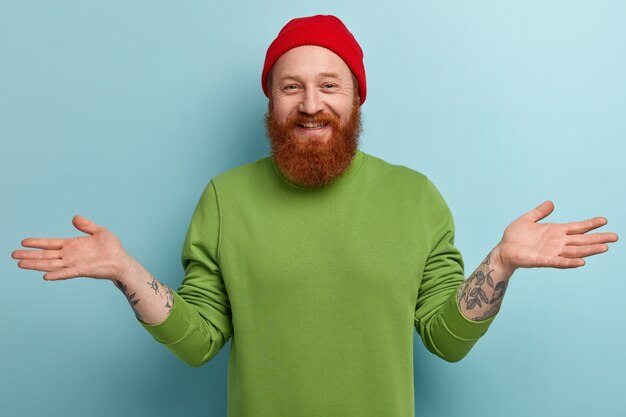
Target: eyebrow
[[321, 74], [330, 75]]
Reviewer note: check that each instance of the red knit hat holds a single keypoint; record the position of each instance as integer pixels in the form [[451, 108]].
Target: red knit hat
[[326, 31]]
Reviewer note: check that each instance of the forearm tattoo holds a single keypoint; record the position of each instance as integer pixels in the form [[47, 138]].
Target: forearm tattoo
[[169, 297], [474, 293], [160, 289], [130, 297]]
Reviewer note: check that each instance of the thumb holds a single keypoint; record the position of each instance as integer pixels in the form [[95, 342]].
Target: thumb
[[86, 225], [542, 211]]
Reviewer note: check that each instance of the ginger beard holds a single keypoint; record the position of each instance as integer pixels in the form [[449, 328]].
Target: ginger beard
[[309, 161]]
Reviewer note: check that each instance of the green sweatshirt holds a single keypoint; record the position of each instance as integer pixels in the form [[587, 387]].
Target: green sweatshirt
[[319, 289]]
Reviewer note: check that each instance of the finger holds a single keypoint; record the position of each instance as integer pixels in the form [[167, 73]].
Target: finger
[[61, 274], [43, 243], [591, 239], [585, 226], [583, 251], [36, 254], [39, 265], [567, 263], [542, 211], [86, 225]]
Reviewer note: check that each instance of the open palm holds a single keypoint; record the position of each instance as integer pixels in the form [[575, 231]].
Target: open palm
[[97, 255], [527, 243]]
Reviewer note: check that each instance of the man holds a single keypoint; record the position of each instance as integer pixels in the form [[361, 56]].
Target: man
[[319, 260]]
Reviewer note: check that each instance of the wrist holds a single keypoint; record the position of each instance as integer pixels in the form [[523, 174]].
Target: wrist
[[500, 260], [123, 268]]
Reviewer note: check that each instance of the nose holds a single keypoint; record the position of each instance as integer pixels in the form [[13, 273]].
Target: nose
[[311, 102]]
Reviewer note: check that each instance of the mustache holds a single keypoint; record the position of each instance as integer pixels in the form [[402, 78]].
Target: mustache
[[302, 118]]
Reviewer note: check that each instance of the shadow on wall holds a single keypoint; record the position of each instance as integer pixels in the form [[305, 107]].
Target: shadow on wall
[[233, 133], [161, 385]]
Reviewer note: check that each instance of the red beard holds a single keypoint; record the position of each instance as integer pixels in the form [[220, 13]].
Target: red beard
[[310, 162]]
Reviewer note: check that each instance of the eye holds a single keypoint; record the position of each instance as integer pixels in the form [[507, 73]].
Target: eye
[[290, 87], [329, 85]]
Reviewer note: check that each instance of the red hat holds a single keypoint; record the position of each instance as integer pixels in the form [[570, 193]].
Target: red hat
[[326, 31]]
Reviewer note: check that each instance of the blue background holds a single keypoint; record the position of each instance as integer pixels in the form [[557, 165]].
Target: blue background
[[123, 110]]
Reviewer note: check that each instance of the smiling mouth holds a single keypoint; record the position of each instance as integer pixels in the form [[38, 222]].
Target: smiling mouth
[[312, 126]]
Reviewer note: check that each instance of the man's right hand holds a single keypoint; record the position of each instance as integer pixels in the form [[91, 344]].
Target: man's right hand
[[99, 255]]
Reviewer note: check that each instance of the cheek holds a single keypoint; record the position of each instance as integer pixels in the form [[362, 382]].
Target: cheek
[[342, 106], [345, 113], [282, 109]]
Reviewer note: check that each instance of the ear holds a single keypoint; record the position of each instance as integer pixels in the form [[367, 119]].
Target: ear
[[268, 82], [355, 87]]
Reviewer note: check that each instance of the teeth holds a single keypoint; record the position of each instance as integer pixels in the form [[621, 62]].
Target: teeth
[[312, 125]]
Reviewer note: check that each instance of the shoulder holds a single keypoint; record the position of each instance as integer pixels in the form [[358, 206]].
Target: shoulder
[[400, 179], [394, 173], [244, 175]]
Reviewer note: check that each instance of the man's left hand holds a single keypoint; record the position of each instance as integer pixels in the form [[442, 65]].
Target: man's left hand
[[529, 244]]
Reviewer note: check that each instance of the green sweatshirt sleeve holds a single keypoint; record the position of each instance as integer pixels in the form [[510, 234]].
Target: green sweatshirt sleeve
[[438, 320], [200, 321]]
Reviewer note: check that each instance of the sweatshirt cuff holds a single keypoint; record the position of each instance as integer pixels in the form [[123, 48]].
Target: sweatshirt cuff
[[459, 325], [176, 324]]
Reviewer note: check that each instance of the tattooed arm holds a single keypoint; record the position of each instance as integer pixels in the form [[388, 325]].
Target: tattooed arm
[[98, 255], [529, 244], [481, 294], [150, 300]]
